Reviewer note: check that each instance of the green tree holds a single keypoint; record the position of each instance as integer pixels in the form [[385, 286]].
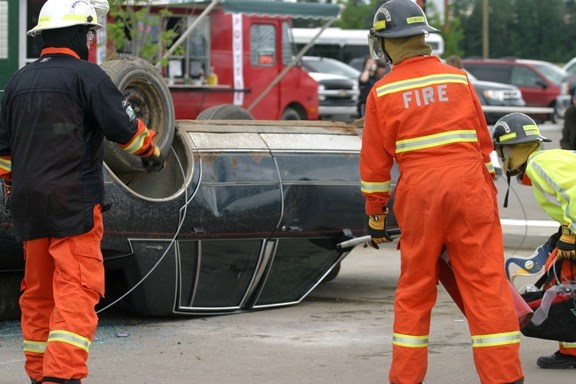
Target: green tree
[[357, 14], [532, 29], [136, 31]]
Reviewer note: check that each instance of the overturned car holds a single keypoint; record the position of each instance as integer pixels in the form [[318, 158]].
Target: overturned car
[[246, 214]]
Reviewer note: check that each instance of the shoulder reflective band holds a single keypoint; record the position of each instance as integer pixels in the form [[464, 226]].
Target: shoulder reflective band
[[373, 186], [436, 140], [420, 82], [69, 338], [410, 341], [496, 339]]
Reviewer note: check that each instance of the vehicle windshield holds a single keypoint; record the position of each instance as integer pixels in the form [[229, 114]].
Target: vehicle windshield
[[335, 67], [471, 76], [552, 72]]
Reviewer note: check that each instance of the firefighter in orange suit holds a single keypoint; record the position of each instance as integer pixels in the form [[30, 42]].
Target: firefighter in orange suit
[[54, 115], [551, 174], [425, 116]]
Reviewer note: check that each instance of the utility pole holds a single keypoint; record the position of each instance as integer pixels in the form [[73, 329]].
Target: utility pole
[[485, 33]]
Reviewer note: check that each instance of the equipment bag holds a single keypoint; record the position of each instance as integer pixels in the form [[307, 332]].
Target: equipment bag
[[554, 308]]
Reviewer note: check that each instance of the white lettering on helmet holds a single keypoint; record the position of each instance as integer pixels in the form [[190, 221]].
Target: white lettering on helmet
[[387, 14]]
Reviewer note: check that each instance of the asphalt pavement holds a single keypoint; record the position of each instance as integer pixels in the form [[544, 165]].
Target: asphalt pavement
[[341, 333]]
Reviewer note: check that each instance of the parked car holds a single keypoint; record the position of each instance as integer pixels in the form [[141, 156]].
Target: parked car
[[357, 63], [570, 68], [543, 84], [491, 93], [337, 85]]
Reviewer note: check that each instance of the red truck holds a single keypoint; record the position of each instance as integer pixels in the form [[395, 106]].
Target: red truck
[[247, 46]]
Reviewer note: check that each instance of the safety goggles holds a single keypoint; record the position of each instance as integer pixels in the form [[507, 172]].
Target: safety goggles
[[90, 36], [375, 46]]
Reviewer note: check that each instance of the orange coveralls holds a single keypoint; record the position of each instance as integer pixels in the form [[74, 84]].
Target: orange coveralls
[[425, 115], [63, 282]]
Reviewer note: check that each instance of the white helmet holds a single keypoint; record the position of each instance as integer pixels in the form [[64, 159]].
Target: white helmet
[[65, 13], [100, 6]]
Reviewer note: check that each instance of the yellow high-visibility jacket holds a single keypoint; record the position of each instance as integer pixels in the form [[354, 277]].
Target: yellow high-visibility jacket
[[553, 176]]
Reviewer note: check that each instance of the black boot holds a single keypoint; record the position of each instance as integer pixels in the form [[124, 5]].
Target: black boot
[[556, 361], [56, 380]]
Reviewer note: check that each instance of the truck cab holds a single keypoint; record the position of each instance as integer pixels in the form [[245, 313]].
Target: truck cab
[[237, 52]]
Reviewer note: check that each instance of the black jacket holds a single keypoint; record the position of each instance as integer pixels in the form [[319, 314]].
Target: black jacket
[[568, 140], [54, 116]]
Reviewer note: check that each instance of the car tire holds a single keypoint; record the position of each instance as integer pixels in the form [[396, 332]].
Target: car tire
[[10, 288], [332, 274], [290, 114], [556, 118], [225, 112], [150, 97]]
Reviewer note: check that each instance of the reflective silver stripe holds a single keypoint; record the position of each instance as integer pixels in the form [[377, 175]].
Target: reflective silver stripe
[[69, 338], [373, 187], [565, 344], [34, 346], [551, 198], [438, 139], [490, 167], [496, 339], [137, 142], [410, 341], [420, 82]]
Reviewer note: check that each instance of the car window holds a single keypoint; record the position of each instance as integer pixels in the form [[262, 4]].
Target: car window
[[525, 77], [471, 76], [330, 66], [490, 72], [552, 72], [262, 45]]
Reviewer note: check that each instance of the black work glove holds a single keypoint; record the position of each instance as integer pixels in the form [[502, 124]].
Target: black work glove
[[155, 162], [566, 244], [377, 229]]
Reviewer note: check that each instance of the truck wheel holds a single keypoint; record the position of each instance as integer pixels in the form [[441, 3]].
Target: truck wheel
[[9, 295], [149, 95], [290, 114], [225, 112]]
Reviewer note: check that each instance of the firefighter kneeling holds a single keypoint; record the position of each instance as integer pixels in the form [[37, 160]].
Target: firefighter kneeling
[[552, 174]]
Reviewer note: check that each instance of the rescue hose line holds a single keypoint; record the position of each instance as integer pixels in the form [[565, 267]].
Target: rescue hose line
[[525, 235], [182, 213]]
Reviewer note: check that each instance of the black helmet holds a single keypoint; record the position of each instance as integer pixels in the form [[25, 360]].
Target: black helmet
[[516, 128], [400, 18]]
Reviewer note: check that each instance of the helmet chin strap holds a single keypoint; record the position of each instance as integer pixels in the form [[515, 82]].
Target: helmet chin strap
[[519, 176], [508, 176]]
